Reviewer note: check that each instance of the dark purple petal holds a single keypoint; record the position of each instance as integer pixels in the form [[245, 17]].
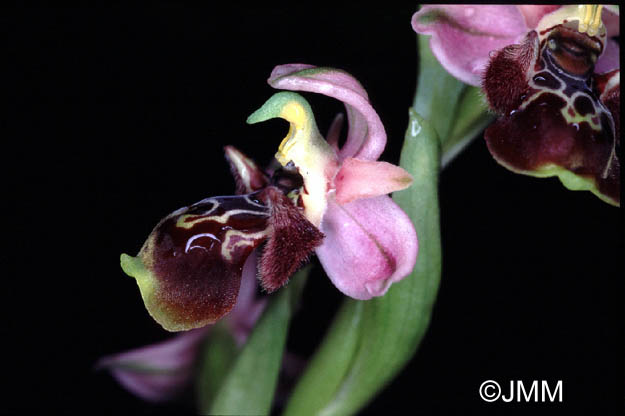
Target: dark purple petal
[[611, 20], [610, 59]]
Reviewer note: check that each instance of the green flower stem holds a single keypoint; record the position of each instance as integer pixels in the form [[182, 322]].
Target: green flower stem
[[330, 364], [438, 93], [384, 332], [457, 111], [249, 386]]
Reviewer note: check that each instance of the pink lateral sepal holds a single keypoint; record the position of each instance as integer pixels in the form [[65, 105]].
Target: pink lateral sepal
[[370, 243]]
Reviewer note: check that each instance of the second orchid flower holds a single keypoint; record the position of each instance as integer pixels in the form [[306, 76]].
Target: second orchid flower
[[551, 73]]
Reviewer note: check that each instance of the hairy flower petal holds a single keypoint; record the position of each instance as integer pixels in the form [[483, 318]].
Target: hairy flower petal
[[293, 238], [365, 178], [370, 243], [366, 138]]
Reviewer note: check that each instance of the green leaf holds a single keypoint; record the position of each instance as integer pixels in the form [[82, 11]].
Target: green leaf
[[370, 341], [472, 117], [438, 91], [218, 355], [249, 386]]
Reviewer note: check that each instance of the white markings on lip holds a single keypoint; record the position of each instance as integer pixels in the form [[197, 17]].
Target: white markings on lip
[[235, 239], [188, 247]]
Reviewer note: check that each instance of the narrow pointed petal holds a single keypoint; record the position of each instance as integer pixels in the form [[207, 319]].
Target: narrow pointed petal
[[189, 269], [364, 179], [247, 176], [157, 372], [293, 238], [370, 243], [463, 35], [366, 138]]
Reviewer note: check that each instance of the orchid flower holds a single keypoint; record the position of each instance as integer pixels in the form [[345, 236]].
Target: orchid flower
[[321, 198], [552, 75]]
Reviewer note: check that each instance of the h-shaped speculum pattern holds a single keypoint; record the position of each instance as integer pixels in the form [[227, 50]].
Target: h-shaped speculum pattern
[[557, 117]]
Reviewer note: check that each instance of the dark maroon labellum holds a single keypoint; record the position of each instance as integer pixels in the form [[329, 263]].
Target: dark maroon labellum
[[551, 113], [197, 254]]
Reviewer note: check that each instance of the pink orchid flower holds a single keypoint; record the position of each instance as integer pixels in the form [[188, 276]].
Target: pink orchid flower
[[463, 36], [321, 198], [552, 75]]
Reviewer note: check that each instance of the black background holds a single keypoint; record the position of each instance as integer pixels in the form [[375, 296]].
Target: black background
[[118, 116]]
